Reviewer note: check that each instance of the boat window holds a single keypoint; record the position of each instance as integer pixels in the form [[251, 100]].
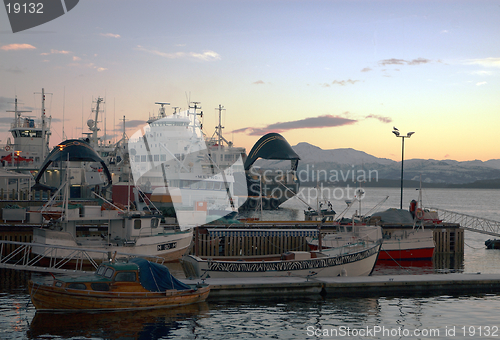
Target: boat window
[[154, 223], [137, 158], [101, 270], [109, 273], [125, 277], [80, 286], [217, 185], [99, 286], [59, 284], [137, 224], [156, 158], [143, 158], [163, 157], [210, 185]]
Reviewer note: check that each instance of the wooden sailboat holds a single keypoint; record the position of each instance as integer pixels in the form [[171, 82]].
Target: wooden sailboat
[[115, 286]]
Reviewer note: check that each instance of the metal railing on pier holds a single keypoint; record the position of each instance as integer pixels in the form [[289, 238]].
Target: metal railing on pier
[[469, 222]]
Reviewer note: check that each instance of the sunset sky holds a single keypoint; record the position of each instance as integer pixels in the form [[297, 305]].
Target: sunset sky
[[336, 74]]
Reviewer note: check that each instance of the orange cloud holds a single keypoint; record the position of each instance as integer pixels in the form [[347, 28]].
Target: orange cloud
[[17, 47]]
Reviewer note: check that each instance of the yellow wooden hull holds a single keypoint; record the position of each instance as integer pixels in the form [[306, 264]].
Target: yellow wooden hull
[[51, 298]]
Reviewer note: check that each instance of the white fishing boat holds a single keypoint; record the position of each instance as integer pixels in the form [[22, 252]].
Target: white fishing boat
[[403, 239], [30, 144], [105, 227], [355, 255]]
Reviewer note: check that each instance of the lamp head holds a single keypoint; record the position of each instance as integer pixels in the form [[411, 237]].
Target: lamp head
[[409, 134], [396, 133]]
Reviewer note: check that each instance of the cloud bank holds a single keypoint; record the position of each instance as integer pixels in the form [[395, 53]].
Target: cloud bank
[[395, 61], [307, 123], [205, 56], [17, 47]]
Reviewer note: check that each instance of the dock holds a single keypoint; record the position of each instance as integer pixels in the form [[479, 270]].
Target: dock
[[363, 286]]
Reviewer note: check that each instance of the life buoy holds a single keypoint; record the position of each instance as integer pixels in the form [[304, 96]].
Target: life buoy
[[7, 148], [419, 214]]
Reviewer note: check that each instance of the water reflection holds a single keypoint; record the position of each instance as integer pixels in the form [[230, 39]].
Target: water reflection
[[440, 263], [147, 324]]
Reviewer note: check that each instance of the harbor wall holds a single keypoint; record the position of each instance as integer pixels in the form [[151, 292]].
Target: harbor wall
[[448, 239]]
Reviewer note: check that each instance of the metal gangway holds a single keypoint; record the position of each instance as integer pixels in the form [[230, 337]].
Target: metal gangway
[[469, 222], [20, 256]]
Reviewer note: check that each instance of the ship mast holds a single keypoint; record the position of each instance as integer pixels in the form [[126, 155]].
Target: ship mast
[[94, 128], [218, 129], [195, 106], [17, 114], [45, 134]]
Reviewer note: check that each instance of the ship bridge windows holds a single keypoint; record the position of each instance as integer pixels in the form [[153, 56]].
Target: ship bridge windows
[[30, 133]]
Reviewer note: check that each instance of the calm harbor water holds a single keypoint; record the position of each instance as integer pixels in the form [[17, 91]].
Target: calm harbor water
[[416, 317]]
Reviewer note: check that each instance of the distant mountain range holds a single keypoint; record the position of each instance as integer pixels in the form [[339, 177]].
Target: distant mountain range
[[344, 165]]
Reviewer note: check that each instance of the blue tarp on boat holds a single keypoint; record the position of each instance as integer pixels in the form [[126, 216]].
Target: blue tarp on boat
[[156, 277]]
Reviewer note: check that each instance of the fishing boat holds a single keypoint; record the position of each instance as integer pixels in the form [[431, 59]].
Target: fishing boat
[[106, 227], [30, 144], [354, 255], [129, 232], [403, 239], [116, 286]]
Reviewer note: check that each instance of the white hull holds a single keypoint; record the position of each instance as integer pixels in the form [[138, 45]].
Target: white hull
[[171, 245], [353, 263], [409, 240]]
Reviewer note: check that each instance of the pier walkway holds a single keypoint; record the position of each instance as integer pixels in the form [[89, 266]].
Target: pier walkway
[[361, 286], [469, 222]]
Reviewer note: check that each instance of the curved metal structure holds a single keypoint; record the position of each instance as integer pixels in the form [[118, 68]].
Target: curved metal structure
[[74, 150], [272, 146]]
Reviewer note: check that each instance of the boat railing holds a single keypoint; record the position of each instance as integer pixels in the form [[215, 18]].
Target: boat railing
[[58, 259], [24, 122]]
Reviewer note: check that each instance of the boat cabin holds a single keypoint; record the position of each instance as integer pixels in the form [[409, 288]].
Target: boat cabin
[[109, 276]]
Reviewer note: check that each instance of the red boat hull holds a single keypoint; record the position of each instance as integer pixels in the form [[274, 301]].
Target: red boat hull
[[399, 254], [406, 254]]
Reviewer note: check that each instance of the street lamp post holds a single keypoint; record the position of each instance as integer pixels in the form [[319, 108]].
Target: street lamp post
[[408, 135]]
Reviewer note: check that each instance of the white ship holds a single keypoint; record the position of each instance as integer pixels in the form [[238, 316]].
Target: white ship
[[170, 160], [30, 143]]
